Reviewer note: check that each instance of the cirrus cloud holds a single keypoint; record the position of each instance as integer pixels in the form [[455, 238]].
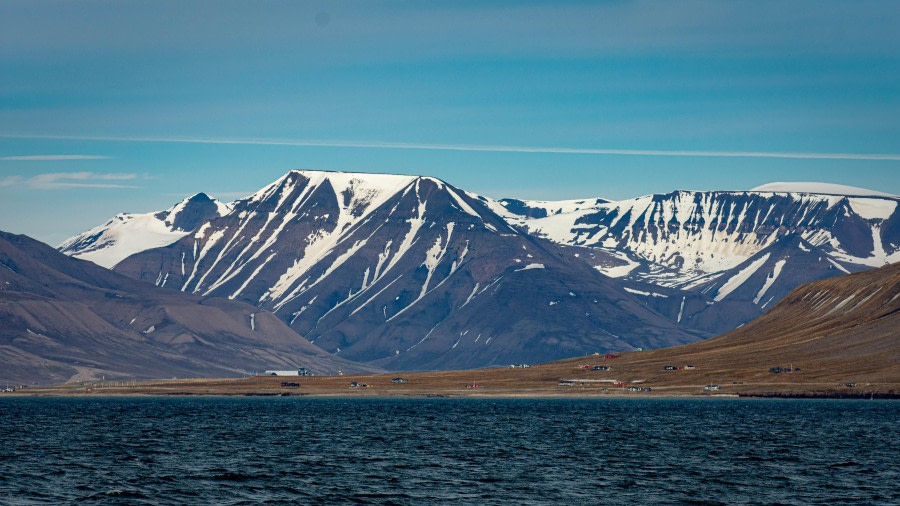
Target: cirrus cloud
[[63, 180], [365, 144], [51, 158]]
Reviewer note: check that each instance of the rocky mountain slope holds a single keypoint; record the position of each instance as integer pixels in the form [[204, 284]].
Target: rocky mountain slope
[[714, 260], [62, 318], [403, 272], [845, 328]]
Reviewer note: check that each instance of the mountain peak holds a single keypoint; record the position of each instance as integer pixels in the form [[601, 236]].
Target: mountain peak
[[199, 197], [340, 182]]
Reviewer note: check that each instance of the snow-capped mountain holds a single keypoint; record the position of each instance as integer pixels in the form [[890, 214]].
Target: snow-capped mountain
[[820, 188], [126, 233], [409, 272], [404, 272], [740, 250]]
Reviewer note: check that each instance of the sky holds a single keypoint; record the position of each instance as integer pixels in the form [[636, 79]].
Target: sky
[[110, 106]]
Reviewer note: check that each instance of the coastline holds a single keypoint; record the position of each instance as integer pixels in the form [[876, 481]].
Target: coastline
[[425, 387]]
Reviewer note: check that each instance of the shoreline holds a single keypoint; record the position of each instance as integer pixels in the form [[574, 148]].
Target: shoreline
[[861, 397], [641, 375], [66, 391]]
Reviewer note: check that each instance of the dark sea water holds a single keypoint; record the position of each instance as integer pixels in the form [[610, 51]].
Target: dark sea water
[[344, 451]]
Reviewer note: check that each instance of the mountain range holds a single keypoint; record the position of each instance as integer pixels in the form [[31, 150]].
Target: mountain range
[[403, 272], [408, 272], [715, 260]]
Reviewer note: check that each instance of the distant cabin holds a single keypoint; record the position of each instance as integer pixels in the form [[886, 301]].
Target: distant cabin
[[296, 372]]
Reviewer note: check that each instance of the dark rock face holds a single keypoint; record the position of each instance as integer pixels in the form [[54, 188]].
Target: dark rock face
[[404, 272], [63, 319], [522, 209], [191, 213], [537, 209]]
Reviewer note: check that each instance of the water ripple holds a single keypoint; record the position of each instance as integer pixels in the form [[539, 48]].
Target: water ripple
[[430, 451]]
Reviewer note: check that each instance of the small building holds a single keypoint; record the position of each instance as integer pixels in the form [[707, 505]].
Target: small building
[[301, 371], [711, 387]]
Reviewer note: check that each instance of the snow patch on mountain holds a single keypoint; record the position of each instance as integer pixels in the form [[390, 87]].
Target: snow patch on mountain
[[873, 209], [128, 233], [742, 276], [770, 280], [645, 294], [819, 188], [121, 237], [618, 271]]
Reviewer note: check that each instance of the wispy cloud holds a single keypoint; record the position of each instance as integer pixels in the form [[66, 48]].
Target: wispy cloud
[[63, 180], [469, 147], [52, 158], [10, 181]]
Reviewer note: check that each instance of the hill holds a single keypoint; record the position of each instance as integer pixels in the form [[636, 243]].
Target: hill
[[63, 319]]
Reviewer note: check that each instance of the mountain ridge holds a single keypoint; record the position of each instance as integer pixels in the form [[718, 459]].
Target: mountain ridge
[[399, 259]]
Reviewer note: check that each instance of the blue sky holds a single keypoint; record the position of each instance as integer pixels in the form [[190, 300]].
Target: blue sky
[[100, 100]]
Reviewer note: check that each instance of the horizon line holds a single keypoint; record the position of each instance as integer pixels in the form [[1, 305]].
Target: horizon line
[[466, 147]]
